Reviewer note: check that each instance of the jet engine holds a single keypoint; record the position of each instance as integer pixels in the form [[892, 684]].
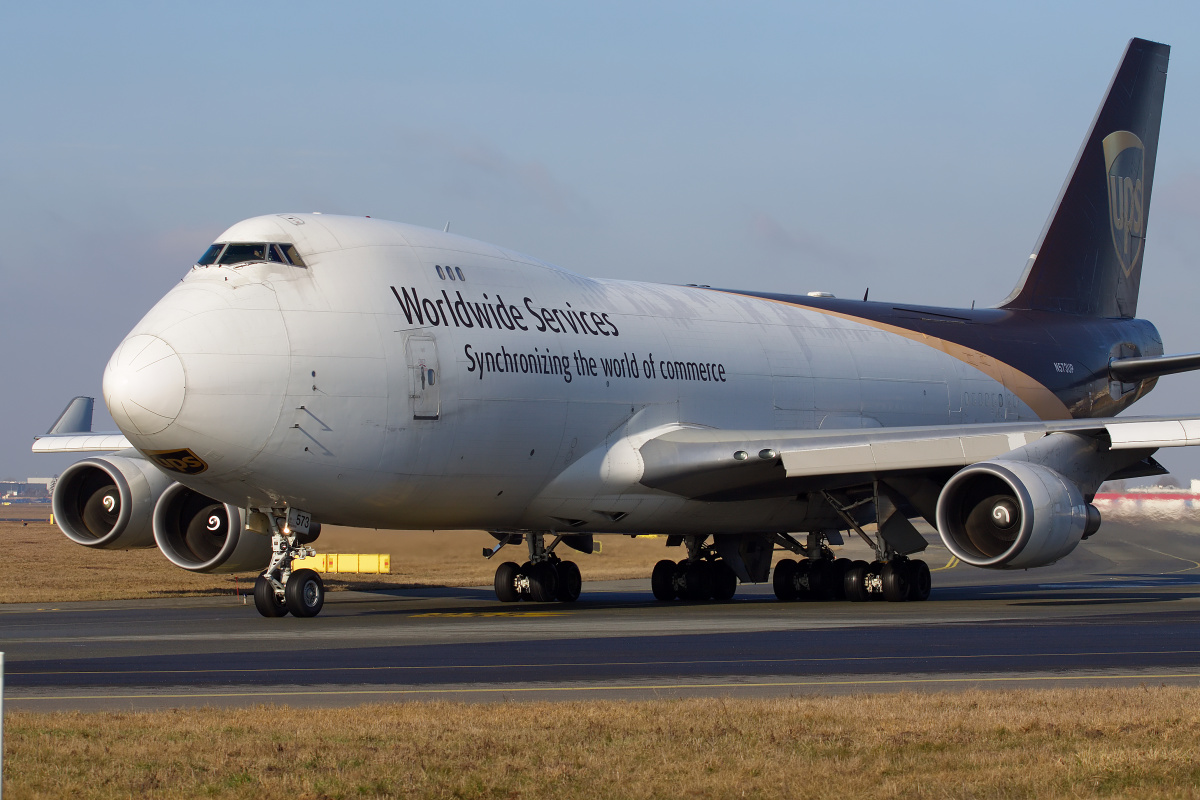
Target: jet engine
[[201, 534], [108, 502], [1013, 515]]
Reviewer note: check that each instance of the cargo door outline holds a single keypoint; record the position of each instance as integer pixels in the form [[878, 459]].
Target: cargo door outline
[[425, 377]]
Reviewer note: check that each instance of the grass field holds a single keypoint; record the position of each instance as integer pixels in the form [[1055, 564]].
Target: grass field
[[40, 565], [1132, 742]]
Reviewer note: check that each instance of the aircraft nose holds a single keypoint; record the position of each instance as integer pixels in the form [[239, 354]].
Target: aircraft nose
[[144, 384], [205, 371]]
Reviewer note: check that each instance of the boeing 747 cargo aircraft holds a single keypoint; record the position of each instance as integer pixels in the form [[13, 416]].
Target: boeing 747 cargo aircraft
[[315, 369]]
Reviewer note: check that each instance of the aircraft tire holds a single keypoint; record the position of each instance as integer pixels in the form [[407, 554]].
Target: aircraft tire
[[506, 582], [543, 582], [570, 582], [304, 593], [698, 582], [725, 582], [919, 580], [822, 575], [895, 581], [840, 566], [662, 580], [855, 584], [802, 581], [784, 580], [265, 600]]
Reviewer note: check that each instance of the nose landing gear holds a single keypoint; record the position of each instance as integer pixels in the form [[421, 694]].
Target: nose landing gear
[[280, 590]]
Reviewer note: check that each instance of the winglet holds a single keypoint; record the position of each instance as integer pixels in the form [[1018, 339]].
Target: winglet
[[75, 418]]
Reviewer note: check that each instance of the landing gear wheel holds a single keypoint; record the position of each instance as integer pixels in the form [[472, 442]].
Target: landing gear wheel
[[304, 593], [821, 577], [265, 599], [570, 582], [840, 567], [506, 582], [919, 581], [725, 582], [895, 581], [855, 584], [697, 581], [662, 580], [784, 580], [875, 571], [543, 582], [803, 579]]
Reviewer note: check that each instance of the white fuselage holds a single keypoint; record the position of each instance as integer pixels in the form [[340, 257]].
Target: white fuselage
[[373, 387]]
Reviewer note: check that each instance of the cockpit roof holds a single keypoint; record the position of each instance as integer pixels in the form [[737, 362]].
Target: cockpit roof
[[315, 233]]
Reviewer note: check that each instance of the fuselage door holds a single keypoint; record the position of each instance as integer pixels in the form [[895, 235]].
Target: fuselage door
[[425, 385]]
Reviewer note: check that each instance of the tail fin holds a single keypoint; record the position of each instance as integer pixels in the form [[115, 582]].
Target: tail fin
[[1088, 259], [75, 418]]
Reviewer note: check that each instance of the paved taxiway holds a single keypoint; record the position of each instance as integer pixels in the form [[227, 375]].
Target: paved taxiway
[[1125, 607]]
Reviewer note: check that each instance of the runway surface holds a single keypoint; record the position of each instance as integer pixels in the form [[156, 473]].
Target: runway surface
[[1123, 608]]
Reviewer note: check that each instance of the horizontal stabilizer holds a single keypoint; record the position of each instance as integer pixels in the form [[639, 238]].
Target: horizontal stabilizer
[[72, 432], [81, 443], [1129, 370]]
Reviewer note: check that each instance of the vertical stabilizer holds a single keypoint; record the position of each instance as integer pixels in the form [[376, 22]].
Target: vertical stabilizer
[[1088, 259], [75, 418]]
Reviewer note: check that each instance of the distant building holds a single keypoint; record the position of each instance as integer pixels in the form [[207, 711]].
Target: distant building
[[1171, 502], [28, 489]]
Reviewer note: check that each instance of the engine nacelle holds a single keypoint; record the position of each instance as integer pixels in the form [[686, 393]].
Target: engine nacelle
[[108, 502], [1012, 515], [204, 535]]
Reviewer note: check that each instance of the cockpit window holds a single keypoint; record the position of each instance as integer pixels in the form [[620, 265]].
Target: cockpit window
[[293, 256], [210, 255], [240, 253], [235, 253]]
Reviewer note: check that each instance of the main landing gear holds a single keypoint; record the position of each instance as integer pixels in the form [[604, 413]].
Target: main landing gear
[[897, 580], [703, 575], [821, 576], [280, 590], [544, 578]]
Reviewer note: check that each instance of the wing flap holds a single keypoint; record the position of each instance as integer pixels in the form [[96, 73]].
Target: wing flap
[[1154, 433], [901, 454]]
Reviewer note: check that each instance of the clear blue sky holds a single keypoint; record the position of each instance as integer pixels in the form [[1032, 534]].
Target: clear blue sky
[[913, 148]]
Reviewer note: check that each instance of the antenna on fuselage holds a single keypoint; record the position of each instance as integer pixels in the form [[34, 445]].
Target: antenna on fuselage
[[867, 292], [447, 228]]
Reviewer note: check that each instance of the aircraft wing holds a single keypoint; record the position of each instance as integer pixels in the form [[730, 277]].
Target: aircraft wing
[[713, 464], [72, 432]]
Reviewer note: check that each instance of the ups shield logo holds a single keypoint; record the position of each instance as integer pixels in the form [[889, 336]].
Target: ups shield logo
[[1124, 159], [184, 461]]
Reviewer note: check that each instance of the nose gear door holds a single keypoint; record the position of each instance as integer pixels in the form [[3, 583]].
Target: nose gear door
[[425, 385]]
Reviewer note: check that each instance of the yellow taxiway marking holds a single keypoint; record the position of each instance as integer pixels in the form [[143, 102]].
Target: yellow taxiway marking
[[191, 695], [493, 614], [577, 664], [951, 564], [29, 610], [1195, 564]]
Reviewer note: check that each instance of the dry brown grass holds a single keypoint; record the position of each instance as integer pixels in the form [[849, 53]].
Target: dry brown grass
[[38, 564], [1132, 742]]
